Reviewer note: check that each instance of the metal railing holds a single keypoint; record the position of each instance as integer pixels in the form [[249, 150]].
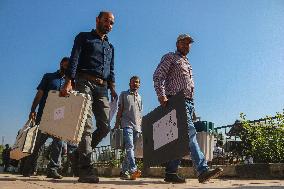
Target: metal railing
[[107, 156]]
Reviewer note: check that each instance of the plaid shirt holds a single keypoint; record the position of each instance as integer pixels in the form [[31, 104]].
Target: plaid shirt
[[173, 74]]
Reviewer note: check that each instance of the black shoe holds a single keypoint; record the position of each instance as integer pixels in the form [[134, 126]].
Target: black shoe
[[209, 174], [174, 178], [87, 176], [54, 174], [75, 172], [89, 179], [27, 174]]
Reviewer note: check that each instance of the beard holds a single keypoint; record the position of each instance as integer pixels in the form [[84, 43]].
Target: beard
[[63, 70], [183, 51], [103, 30]]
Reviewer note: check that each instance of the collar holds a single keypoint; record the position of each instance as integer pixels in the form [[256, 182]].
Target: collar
[[59, 75], [133, 93], [95, 34], [179, 54]]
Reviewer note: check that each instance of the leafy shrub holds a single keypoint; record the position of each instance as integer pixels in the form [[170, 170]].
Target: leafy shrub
[[264, 140]]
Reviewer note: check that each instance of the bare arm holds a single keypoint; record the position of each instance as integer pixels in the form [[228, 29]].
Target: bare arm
[[68, 86], [36, 101], [163, 100]]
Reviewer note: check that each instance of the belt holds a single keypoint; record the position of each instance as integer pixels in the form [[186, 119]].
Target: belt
[[96, 79], [189, 99]]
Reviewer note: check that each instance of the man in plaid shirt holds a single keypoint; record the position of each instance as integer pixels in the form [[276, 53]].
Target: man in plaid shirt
[[174, 74]]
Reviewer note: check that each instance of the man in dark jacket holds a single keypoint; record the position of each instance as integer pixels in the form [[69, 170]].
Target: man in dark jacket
[[92, 68], [50, 81], [6, 157]]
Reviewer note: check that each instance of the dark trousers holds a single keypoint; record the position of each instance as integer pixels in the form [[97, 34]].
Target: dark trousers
[[100, 109], [73, 158], [6, 164], [55, 154]]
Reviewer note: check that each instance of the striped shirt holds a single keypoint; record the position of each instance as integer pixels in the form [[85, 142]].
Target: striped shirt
[[174, 74]]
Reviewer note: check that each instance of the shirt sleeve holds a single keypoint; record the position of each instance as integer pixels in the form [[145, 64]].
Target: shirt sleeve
[[120, 100], [191, 81], [112, 74], [161, 73], [43, 83], [141, 104], [74, 58]]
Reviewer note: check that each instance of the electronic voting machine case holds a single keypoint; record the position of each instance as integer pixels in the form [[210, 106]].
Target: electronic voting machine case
[[65, 117], [25, 141]]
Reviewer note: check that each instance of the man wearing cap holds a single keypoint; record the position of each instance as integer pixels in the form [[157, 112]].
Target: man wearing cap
[[174, 74]]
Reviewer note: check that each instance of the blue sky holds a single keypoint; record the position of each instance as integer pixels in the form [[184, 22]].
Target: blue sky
[[237, 57]]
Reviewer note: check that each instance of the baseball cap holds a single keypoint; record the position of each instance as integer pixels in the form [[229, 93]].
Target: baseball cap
[[183, 36]]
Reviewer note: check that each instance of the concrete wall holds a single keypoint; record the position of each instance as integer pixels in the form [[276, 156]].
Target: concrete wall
[[254, 171], [261, 171]]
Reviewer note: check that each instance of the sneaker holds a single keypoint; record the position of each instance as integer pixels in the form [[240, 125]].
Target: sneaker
[[124, 176], [54, 174], [87, 176], [174, 178], [209, 174], [135, 175]]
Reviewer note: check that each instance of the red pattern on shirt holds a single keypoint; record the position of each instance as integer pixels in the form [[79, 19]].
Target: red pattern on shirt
[[173, 74]]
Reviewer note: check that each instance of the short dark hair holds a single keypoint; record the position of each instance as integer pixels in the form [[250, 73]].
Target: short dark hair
[[102, 13], [135, 77], [65, 59]]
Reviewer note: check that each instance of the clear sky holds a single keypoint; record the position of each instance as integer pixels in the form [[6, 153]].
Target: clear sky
[[237, 57]]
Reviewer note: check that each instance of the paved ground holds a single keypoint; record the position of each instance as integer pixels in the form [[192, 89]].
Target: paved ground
[[8, 181]]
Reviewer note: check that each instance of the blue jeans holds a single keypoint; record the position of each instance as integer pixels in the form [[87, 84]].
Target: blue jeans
[[130, 136], [197, 156]]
